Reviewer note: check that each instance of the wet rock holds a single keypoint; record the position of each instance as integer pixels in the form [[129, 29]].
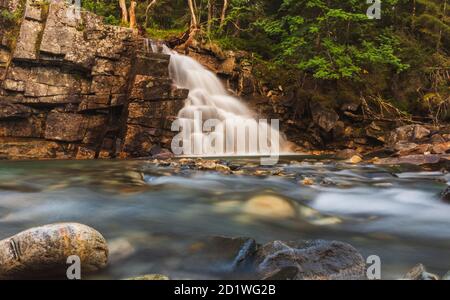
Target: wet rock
[[150, 277], [164, 154], [419, 273], [120, 249], [270, 207], [43, 251], [355, 159], [346, 153], [309, 260], [445, 195], [410, 159], [446, 276], [308, 181]]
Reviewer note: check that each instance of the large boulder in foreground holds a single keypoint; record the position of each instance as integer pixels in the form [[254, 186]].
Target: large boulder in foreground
[[243, 258], [309, 260], [43, 251]]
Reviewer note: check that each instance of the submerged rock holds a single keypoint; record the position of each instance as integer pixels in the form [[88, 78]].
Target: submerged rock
[[445, 195], [310, 260], [446, 276], [243, 258], [419, 273], [270, 206], [43, 251], [150, 277], [355, 159]]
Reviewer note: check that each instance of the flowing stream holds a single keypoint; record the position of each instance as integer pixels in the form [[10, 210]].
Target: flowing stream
[[153, 216]]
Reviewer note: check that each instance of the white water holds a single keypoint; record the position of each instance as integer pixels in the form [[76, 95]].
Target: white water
[[236, 132]]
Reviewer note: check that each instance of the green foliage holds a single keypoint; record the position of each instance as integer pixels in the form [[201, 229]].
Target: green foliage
[[109, 9], [325, 41]]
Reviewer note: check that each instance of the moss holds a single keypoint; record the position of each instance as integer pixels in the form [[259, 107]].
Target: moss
[[164, 34]]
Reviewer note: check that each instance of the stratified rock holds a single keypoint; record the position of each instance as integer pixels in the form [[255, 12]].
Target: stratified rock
[[43, 251], [82, 84], [150, 277], [9, 111], [310, 260], [445, 195], [419, 273]]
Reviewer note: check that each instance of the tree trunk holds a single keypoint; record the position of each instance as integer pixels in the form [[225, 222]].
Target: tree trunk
[[210, 15], [123, 7], [147, 11], [224, 13], [132, 13], [194, 23], [440, 29]]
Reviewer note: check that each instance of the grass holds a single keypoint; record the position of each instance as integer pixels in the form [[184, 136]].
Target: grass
[[164, 34]]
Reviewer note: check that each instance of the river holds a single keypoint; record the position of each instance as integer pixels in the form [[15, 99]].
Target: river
[[154, 214]]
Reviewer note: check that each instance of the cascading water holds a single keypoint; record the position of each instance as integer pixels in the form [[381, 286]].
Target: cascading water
[[233, 129]]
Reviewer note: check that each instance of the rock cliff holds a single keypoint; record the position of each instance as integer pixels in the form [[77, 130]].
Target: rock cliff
[[73, 87]]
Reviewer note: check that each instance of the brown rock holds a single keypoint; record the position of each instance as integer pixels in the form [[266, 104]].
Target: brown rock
[[85, 153], [8, 111], [437, 139], [410, 159], [43, 251], [66, 127], [408, 133], [405, 148], [21, 149], [440, 148], [346, 153]]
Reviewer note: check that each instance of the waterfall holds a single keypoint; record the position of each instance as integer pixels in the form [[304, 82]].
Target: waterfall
[[234, 129]]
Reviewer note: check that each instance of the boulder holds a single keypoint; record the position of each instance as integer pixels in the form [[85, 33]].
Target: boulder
[[325, 118], [445, 195], [346, 153], [309, 260], [43, 251], [419, 273], [408, 133]]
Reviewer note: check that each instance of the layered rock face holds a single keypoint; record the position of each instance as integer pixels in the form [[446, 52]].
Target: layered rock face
[[73, 87]]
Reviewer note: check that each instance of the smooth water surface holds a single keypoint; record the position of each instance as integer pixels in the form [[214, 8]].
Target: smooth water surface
[[153, 215]]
